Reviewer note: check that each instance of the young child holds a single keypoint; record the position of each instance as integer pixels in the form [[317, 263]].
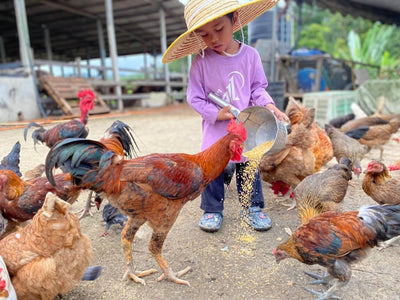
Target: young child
[[234, 71]]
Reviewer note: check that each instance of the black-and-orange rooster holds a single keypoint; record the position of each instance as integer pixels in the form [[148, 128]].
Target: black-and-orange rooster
[[75, 128], [336, 239], [151, 188]]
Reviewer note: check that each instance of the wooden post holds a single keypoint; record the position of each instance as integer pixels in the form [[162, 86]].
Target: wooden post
[[113, 51]]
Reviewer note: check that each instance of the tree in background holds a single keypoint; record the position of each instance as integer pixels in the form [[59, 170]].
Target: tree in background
[[353, 39]]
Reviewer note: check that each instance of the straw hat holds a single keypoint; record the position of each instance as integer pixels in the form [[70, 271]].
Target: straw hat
[[200, 12]]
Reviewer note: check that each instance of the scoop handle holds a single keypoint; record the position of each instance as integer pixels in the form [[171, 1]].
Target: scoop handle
[[217, 100]]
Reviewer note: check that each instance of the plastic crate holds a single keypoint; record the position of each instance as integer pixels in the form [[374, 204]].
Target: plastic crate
[[329, 105]]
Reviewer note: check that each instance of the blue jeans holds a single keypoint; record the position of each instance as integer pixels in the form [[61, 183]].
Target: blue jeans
[[213, 196]]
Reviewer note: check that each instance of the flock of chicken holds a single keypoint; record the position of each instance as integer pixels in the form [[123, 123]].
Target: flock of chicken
[[154, 188]]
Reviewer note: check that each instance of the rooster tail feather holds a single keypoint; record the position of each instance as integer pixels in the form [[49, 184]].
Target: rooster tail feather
[[11, 161], [29, 126], [308, 207], [76, 155], [383, 220], [125, 135], [92, 273]]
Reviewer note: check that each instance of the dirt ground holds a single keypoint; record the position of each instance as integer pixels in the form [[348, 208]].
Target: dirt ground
[[234, 263]]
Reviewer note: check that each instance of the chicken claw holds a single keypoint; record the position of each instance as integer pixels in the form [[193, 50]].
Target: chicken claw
[[136, 277], [174, 277], [324, 295]]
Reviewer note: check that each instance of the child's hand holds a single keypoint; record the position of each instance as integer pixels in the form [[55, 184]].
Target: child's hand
[[225, 114], [278, 114]]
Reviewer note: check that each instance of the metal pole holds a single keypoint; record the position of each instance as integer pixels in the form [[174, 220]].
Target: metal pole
[[47, 44], [113, 51], [146, 71], [23, 35], [163, 31], [274, 42], [2, 51], [102, 48]]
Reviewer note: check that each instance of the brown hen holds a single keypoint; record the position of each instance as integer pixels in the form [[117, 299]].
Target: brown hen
[[296, 160], [345, 146], [322, 149], [376, 136], [380, 185], [50, 255], [323, 191]]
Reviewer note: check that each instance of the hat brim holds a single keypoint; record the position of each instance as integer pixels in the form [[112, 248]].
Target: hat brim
[[188, 43]]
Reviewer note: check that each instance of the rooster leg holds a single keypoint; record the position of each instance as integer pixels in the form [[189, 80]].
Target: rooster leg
[[325, 279], [86, 210], [387, 243], [381, 148], [127, 236], [155, 247]]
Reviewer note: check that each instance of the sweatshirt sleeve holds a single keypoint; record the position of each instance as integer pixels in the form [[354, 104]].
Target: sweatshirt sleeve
[[259, 96], [197, 96]]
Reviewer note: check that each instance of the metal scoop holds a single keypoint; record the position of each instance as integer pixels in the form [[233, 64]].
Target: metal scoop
[[260, 123]]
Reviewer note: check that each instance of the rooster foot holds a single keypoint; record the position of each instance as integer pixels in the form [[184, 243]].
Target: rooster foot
[[323, 295], [387, 243], [83, 212], [136, 277], [291, 205], [174, 277], [324, 279]]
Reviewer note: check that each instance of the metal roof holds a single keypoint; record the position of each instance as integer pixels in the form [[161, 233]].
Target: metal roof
[[73, 29], [73, 26]]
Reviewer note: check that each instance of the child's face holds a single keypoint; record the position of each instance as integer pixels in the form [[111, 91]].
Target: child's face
[[218, 33]]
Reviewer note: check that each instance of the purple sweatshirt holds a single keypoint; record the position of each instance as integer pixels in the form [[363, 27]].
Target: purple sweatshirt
[[239, 80]]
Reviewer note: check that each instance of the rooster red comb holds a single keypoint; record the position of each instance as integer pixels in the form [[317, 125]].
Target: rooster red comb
[[86, 97], [87, 93], [237, 129]]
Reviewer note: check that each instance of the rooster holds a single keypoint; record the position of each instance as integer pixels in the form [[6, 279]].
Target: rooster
[[324, 191], [119, 139], [50, 255], [75, 128], [11, 160], [20, 200], [336, 239], [151, 188], [345, 146]]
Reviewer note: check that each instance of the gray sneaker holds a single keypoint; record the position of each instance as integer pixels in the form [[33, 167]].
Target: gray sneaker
[[256, 218], [211, 222]]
